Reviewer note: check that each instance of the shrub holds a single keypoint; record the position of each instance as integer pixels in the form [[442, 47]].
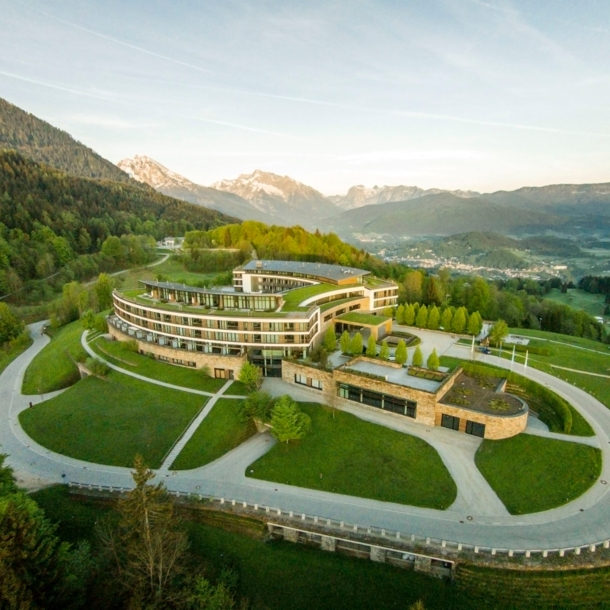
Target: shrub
[[384, 353], [251, 376], [433, 361], [130, 346], [97, 367], [400, 354], [258, 405], [418, 357], [345, 343], [356, 345], [288, 422], [371, 348]]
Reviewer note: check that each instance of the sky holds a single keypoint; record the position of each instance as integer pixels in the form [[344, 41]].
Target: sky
[[456, 94]]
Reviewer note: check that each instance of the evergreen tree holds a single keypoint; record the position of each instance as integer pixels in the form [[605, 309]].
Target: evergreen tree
[[330, 339], [288, 422], [434, 318], [250, 375], [498, 332], [371, 347], [433, 361], [409, 315], [400, 314], [258, 405], [458, 324], [418, 357], [345, 342], [356, 345], [400, 354], [384, 353], [446, 319], [148, 545], [475, 324], [422, 317]]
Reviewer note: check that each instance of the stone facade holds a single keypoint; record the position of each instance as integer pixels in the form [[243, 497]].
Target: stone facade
[[429, 409], [224, 367]]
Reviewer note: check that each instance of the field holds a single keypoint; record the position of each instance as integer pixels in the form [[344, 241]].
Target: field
[[531, 474], [221, 431], [118, 353], [110, 421], [52, 369], [346, 455], [579, 299]]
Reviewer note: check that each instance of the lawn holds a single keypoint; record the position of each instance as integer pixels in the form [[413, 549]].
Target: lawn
[[294, 298], [593, 304], [531, 473], [221, 431], [118, 353], [110, 421], [52, 369], [362, 318], [346, 455]]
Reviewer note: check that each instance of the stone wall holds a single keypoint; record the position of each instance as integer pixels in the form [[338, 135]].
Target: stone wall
[[291, 368], [227, 364], [496, 426]]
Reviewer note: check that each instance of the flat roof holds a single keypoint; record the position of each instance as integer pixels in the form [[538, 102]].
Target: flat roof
[[367, 319], [229, 290], [331, 272], [393, 375]]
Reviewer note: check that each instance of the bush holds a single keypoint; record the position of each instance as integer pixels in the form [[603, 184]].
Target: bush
[[97, 367], [130, 346], [418, 357], [251, 376], [258, 405]]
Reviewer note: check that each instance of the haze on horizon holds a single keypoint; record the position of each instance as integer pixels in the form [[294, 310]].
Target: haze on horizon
[[455, 94]]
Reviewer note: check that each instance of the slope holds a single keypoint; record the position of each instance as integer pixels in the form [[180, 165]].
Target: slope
[[442, 214], [38, 140], [151, 172]]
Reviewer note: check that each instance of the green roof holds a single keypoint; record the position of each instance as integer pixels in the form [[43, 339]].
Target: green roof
[[367, 319], [293, 298]]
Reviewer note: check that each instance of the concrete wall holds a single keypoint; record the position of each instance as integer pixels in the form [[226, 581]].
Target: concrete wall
[[212, 361]]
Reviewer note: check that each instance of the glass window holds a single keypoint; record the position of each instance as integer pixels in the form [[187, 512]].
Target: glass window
[[451, 422], [475, 428]]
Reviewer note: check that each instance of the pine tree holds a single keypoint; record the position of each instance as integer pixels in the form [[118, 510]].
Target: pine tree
[[400, 314], [446, 319], [433, 361], [434, 318], [288, 422], [409, 315], [400, 355], [418, 357], [371, 347], [356, 345], [422, 317], [330, 339], [384, 353], [250, 375], [345, 342]]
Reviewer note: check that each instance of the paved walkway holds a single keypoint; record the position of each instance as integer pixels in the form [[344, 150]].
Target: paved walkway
[[583, 521], [184, 439]]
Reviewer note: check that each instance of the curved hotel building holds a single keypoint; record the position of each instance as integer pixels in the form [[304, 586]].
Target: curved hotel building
[[274, 309]]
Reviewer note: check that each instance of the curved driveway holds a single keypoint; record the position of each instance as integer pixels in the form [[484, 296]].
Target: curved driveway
[[581, 522]]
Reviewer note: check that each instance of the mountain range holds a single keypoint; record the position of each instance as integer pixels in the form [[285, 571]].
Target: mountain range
[[393, 210]]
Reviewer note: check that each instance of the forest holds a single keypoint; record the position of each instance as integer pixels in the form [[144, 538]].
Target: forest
[[50, 221]]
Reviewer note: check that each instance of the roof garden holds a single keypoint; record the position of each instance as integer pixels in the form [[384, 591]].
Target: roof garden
[[365, 319], [293, 298], [333, 273]]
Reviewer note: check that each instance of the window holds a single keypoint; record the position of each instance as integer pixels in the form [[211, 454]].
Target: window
[[316, 383], [475, 428], [451, 422]]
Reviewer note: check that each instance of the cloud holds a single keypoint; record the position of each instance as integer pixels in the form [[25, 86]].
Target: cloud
[[108, 121], [412, 155]]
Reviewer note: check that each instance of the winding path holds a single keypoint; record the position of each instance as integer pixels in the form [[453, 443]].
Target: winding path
[[581, 522]]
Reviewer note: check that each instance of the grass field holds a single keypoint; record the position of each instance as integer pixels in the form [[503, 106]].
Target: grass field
[[221, 431], [52, 369], [303, 578], [110, 421], [593, 304], [346, 455], [531, 474], [117, 353]]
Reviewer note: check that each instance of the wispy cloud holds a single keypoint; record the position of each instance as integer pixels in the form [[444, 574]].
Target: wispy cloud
[[412, 155], [128, 45], [109, 121]]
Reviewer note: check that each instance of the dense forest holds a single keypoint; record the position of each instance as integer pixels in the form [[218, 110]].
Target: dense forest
[[50, 221], [596, 285], [41, 142]]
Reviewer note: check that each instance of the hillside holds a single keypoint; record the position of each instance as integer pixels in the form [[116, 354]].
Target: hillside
[[38, 140], [151, 172], [50, 218], [442, 214]]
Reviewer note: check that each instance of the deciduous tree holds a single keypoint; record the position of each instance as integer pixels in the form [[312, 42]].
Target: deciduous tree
[[288, 422]]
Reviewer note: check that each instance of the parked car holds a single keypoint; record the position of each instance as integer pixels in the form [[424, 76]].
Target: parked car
[[485, 350]]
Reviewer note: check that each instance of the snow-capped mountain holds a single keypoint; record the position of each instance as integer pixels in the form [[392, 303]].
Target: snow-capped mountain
[[151, 172], [359, 195], [281, 197]]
